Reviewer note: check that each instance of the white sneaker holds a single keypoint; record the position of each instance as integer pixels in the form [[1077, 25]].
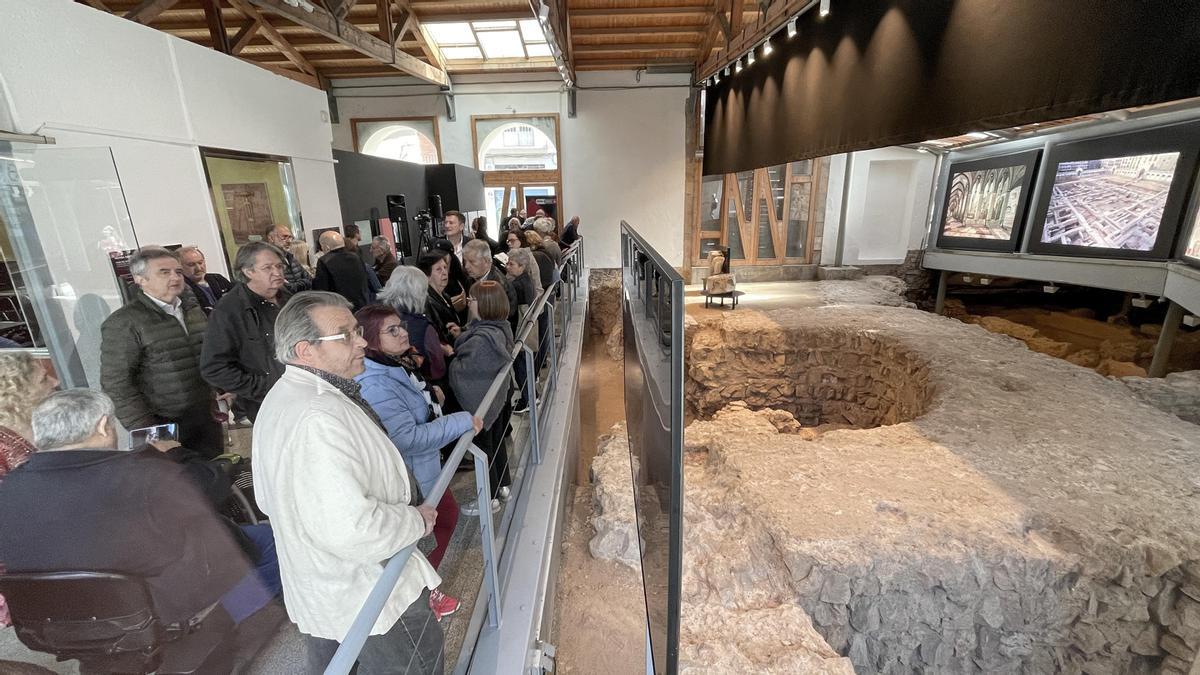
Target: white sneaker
[[471, 508], [504, 494]]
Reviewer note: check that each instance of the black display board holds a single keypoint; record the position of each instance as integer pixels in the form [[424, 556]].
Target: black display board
[[985, 203], [460, 187], [891, 72], [1116, 196], [652, 314]]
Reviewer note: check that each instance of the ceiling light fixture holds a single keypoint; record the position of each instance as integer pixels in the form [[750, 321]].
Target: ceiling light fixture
[[726, 73], [738, 67], [767, 47], [544, 12], [792, 28], [750, 57], [824, 7]]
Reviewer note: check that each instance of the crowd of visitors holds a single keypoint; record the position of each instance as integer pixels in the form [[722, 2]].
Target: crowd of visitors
[[355, 389]]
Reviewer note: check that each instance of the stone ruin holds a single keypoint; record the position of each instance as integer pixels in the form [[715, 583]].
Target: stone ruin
[[604, 310], [923, 495]]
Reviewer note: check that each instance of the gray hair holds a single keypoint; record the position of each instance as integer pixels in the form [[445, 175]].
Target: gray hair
[[406, 289], [69, 417], [477, 249], [138, 261], [543, 225], [524, 257], [188, 249], [248, 255], [295, 323]]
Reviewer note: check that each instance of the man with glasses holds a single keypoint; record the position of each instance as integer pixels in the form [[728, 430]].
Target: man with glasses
[[296, 277], [339, 497], [239, 348]]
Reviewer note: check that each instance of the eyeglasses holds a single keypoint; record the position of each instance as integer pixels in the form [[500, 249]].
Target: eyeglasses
[[396, 330], [348, 336]]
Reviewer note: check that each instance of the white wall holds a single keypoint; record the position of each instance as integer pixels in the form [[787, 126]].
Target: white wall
[[89, 79], [887, 212], [622, 155]]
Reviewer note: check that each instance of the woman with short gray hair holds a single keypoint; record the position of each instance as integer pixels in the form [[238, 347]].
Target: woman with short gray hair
[[406, 291]]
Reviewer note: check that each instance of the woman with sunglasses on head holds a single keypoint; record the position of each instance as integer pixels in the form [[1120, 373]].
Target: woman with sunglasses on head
[[411, 413]]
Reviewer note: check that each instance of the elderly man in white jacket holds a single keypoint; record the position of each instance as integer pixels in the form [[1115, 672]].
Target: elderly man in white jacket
[[338, 495]]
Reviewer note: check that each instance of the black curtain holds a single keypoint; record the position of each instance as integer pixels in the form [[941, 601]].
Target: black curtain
[[887, 72]]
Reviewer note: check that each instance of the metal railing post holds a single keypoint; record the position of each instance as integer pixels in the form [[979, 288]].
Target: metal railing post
[[535, 441], [487, 534], [553, 379]]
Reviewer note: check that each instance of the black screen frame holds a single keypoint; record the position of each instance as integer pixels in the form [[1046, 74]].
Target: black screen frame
[[1183, 138], [1030, 160]]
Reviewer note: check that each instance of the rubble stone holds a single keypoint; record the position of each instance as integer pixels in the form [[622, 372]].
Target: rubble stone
[[616, 529], [1177, 393], [1113, 368], [604, 300]]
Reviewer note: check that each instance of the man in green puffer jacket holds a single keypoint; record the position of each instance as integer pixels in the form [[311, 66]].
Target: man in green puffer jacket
[[150, 355]]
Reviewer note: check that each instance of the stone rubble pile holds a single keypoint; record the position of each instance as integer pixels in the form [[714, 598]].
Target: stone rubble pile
[[1177, 393], [1015, 514], [614, 515]]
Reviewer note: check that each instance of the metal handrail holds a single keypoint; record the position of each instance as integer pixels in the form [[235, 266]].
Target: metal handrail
[[350, 646]]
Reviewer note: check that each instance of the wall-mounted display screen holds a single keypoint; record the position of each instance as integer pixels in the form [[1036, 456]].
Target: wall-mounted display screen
[[1118, 196], [1191, 246], [1114, 202], [985, 202]]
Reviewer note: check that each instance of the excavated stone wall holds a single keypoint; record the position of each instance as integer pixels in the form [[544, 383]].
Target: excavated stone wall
[[820, 375], [604, 310], [1014, 513]]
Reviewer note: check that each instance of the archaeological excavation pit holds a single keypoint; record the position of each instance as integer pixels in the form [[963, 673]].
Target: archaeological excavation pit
[[998, 511], [835, 377]]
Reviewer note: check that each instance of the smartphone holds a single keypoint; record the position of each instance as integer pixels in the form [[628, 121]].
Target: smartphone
[[146, 435]]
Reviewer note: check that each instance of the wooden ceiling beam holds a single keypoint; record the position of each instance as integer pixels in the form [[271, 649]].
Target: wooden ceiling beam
[[635, 11], [383, 20], [216, 26], [321, 21], [496, 15], [304, 78], [244, 36], [630, 30], [274, 37], [635, 46], [95, 4], [146, 12], [751, 35]]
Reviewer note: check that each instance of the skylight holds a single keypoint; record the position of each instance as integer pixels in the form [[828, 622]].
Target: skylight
[[489, 40]]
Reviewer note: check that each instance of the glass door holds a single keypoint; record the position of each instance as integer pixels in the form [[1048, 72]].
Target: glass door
[[540, 197], [66, 235]]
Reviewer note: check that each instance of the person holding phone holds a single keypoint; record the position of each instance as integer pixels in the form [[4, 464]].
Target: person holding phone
[[150, 355]]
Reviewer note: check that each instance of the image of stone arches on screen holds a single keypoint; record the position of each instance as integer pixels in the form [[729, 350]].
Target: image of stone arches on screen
[[983, 204]]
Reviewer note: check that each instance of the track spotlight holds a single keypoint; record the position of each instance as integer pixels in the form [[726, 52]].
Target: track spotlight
[[792, 28], [825, 7], [738, 67], [717, 78], [767, 48], [726, 73], [750, 57], [544, 12]]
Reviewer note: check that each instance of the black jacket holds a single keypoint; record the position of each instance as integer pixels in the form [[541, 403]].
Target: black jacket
[[459, 282], [217, 285], [130, 512], [239, 349], [440, 312], [149, 366], [343, 272]]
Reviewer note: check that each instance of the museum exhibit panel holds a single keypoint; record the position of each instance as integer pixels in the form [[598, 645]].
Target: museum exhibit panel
[[249, 194], [1118, 196], [985, 202]]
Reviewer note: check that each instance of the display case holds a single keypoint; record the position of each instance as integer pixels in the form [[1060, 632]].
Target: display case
[[63, 215]]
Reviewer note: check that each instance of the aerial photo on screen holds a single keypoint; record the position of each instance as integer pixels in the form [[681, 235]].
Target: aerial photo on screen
[[1110, 203], [983, 204]]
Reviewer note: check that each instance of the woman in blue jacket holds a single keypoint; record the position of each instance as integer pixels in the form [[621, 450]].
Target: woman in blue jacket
[[411, 413]]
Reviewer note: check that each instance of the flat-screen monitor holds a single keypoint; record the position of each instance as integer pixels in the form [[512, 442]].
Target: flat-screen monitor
[[1116, 196], [986, 201]]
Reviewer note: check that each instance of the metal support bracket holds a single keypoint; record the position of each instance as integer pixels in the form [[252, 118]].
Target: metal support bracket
[[448, 98], [571, 102], [542, 658], [535, 436]]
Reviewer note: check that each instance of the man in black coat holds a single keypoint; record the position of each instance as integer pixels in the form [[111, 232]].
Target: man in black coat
[[239, 350], [136, 513], [150, 355], [207, 287], [342, 271], [478, 264]]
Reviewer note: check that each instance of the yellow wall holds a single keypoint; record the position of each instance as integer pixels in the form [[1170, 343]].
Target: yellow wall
[[223, 171]]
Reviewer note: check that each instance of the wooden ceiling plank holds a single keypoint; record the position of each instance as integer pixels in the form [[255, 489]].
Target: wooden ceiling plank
[[361, 41], [634, 11], [383, 20], [95, 4], [146, 12], [275, 37]]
